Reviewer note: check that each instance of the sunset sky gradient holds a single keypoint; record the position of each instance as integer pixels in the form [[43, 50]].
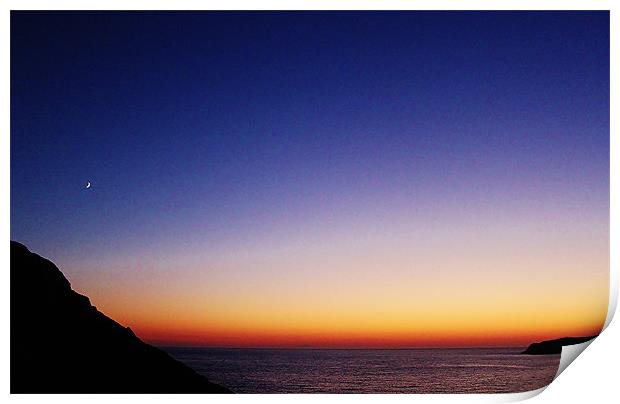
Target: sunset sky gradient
[[320, 179]]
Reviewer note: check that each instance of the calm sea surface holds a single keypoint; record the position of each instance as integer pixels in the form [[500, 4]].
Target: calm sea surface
[[494, 370]]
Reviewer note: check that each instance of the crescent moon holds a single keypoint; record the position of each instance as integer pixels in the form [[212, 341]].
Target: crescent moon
[[88, 185]]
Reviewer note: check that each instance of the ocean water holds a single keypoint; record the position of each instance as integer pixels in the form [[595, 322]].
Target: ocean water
[[496, 370]]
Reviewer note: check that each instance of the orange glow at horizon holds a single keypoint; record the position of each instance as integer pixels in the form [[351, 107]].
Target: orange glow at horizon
[[465, 282], [385, 316], [481, 333]]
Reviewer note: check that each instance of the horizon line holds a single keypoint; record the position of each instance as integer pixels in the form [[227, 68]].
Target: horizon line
[[167, 345]]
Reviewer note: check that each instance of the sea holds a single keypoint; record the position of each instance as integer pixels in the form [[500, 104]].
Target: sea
[[474, 370]]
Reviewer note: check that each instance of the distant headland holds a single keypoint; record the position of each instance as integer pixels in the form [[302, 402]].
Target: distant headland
[[554, 346], [60, 343]]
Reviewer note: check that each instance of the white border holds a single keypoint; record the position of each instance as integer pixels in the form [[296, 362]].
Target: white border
[[300, 5]]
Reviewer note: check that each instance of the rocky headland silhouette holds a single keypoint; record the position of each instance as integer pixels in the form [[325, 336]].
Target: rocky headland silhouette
[[554, 346], [60, 343]]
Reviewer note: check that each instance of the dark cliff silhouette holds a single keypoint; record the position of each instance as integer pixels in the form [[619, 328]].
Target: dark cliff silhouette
[[60, 343], [554, 346]]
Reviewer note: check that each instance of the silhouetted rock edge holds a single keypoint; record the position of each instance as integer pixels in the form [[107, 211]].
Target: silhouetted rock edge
[[60, 343]]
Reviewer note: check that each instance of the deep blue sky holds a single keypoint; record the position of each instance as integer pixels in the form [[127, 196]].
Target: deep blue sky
[[201, 128]]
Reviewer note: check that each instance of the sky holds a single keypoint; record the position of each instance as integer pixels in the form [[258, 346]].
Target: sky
[[343, 179]]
